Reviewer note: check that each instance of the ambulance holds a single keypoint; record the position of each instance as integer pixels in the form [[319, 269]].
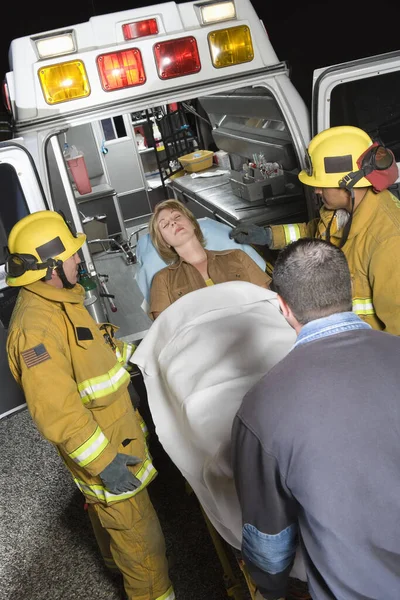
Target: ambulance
[[111, 116]]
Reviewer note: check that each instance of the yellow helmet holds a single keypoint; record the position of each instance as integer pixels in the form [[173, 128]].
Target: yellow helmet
[[333, 154], [34, 241]]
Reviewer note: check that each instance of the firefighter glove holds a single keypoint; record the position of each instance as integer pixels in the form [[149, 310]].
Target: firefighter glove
[[252, 234], [116, 476]]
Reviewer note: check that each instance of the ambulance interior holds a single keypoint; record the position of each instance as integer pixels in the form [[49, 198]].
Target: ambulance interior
[[247, 173]]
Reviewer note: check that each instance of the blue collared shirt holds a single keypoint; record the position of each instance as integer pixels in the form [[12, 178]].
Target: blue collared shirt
[[336, 323]]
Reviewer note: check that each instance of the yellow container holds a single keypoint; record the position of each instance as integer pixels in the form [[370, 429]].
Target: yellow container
[[177, 174], [197, 161]]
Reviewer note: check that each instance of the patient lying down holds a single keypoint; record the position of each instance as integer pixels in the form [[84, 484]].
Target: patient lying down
[[198, 360], [178, 239]]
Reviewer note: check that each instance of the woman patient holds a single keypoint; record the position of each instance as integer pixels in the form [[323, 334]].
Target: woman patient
[[178, 239]]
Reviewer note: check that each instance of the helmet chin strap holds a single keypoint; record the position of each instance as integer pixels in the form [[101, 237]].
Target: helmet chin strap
[[346, 229], [60, 272]]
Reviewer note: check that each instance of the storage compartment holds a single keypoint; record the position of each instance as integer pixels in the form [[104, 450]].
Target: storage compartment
[[95, 228], [249, 121], [255, 187], [197, 161]]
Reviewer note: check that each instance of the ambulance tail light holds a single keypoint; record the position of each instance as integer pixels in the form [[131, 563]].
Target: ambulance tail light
[[215, 12], [56, 45], [176, 58], [64, 81], [6, 97], [121, 69], [231, 46], [139, 29]]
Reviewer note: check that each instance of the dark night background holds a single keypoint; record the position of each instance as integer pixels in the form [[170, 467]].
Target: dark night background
[[305, 34]]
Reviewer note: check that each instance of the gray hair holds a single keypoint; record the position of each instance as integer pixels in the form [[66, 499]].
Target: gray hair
[[313, 278]]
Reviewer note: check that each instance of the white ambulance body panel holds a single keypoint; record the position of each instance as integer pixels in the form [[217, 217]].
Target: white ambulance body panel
[[103, 34], [363, 93], [15, 156], [326, 79]]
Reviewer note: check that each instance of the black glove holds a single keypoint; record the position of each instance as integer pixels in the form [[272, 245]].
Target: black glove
[[116, 476], [252, 234]]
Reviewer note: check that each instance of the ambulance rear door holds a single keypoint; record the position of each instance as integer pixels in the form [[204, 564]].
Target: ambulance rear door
[[22, 194], [363, 93]]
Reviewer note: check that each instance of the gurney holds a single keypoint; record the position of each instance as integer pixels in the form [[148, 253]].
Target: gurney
[[198, 360]]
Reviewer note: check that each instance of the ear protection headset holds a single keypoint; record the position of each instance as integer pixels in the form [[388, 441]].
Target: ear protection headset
[[378, 165]]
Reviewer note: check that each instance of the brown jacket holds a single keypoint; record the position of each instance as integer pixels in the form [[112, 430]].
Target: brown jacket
[[178, 279]]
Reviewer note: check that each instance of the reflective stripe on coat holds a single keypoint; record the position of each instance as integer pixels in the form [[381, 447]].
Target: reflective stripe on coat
[[372, 251], [77, 396]]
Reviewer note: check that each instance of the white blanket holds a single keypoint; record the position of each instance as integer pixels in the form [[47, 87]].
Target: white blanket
[[199, 358]]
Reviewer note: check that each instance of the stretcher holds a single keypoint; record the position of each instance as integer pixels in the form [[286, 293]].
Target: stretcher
[[193, 402]]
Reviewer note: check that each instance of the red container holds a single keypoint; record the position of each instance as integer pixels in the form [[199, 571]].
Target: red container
[[77, 167]]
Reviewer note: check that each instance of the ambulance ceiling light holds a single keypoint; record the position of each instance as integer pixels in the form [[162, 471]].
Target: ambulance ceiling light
[[56, 45], [175, 58], [139, 29], [231, 46], [214, 12], [121, 69]]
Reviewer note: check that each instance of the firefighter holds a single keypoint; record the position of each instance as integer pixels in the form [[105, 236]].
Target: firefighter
[[351, 173], [74, 376]]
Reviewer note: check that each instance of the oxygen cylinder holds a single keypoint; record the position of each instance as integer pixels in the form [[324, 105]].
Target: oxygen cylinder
[[93, 301]]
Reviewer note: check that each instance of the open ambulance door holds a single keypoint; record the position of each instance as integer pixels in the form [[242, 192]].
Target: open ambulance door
[[363, 93], [21, 194]]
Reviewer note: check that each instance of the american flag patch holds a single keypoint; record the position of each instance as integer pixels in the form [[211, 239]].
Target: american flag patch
[[35, 356]]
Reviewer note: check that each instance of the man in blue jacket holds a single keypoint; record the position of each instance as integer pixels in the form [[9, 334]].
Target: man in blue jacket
[[316, 453]]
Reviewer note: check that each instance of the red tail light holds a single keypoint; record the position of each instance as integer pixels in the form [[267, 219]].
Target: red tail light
[[176, 58], [121, 69], [6, 97], [139, 29]]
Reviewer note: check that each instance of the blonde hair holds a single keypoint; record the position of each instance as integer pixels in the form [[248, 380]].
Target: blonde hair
[[168, 253]]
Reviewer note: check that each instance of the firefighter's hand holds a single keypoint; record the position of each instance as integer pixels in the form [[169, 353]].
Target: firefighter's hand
[[252, 234], [116, 476]]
